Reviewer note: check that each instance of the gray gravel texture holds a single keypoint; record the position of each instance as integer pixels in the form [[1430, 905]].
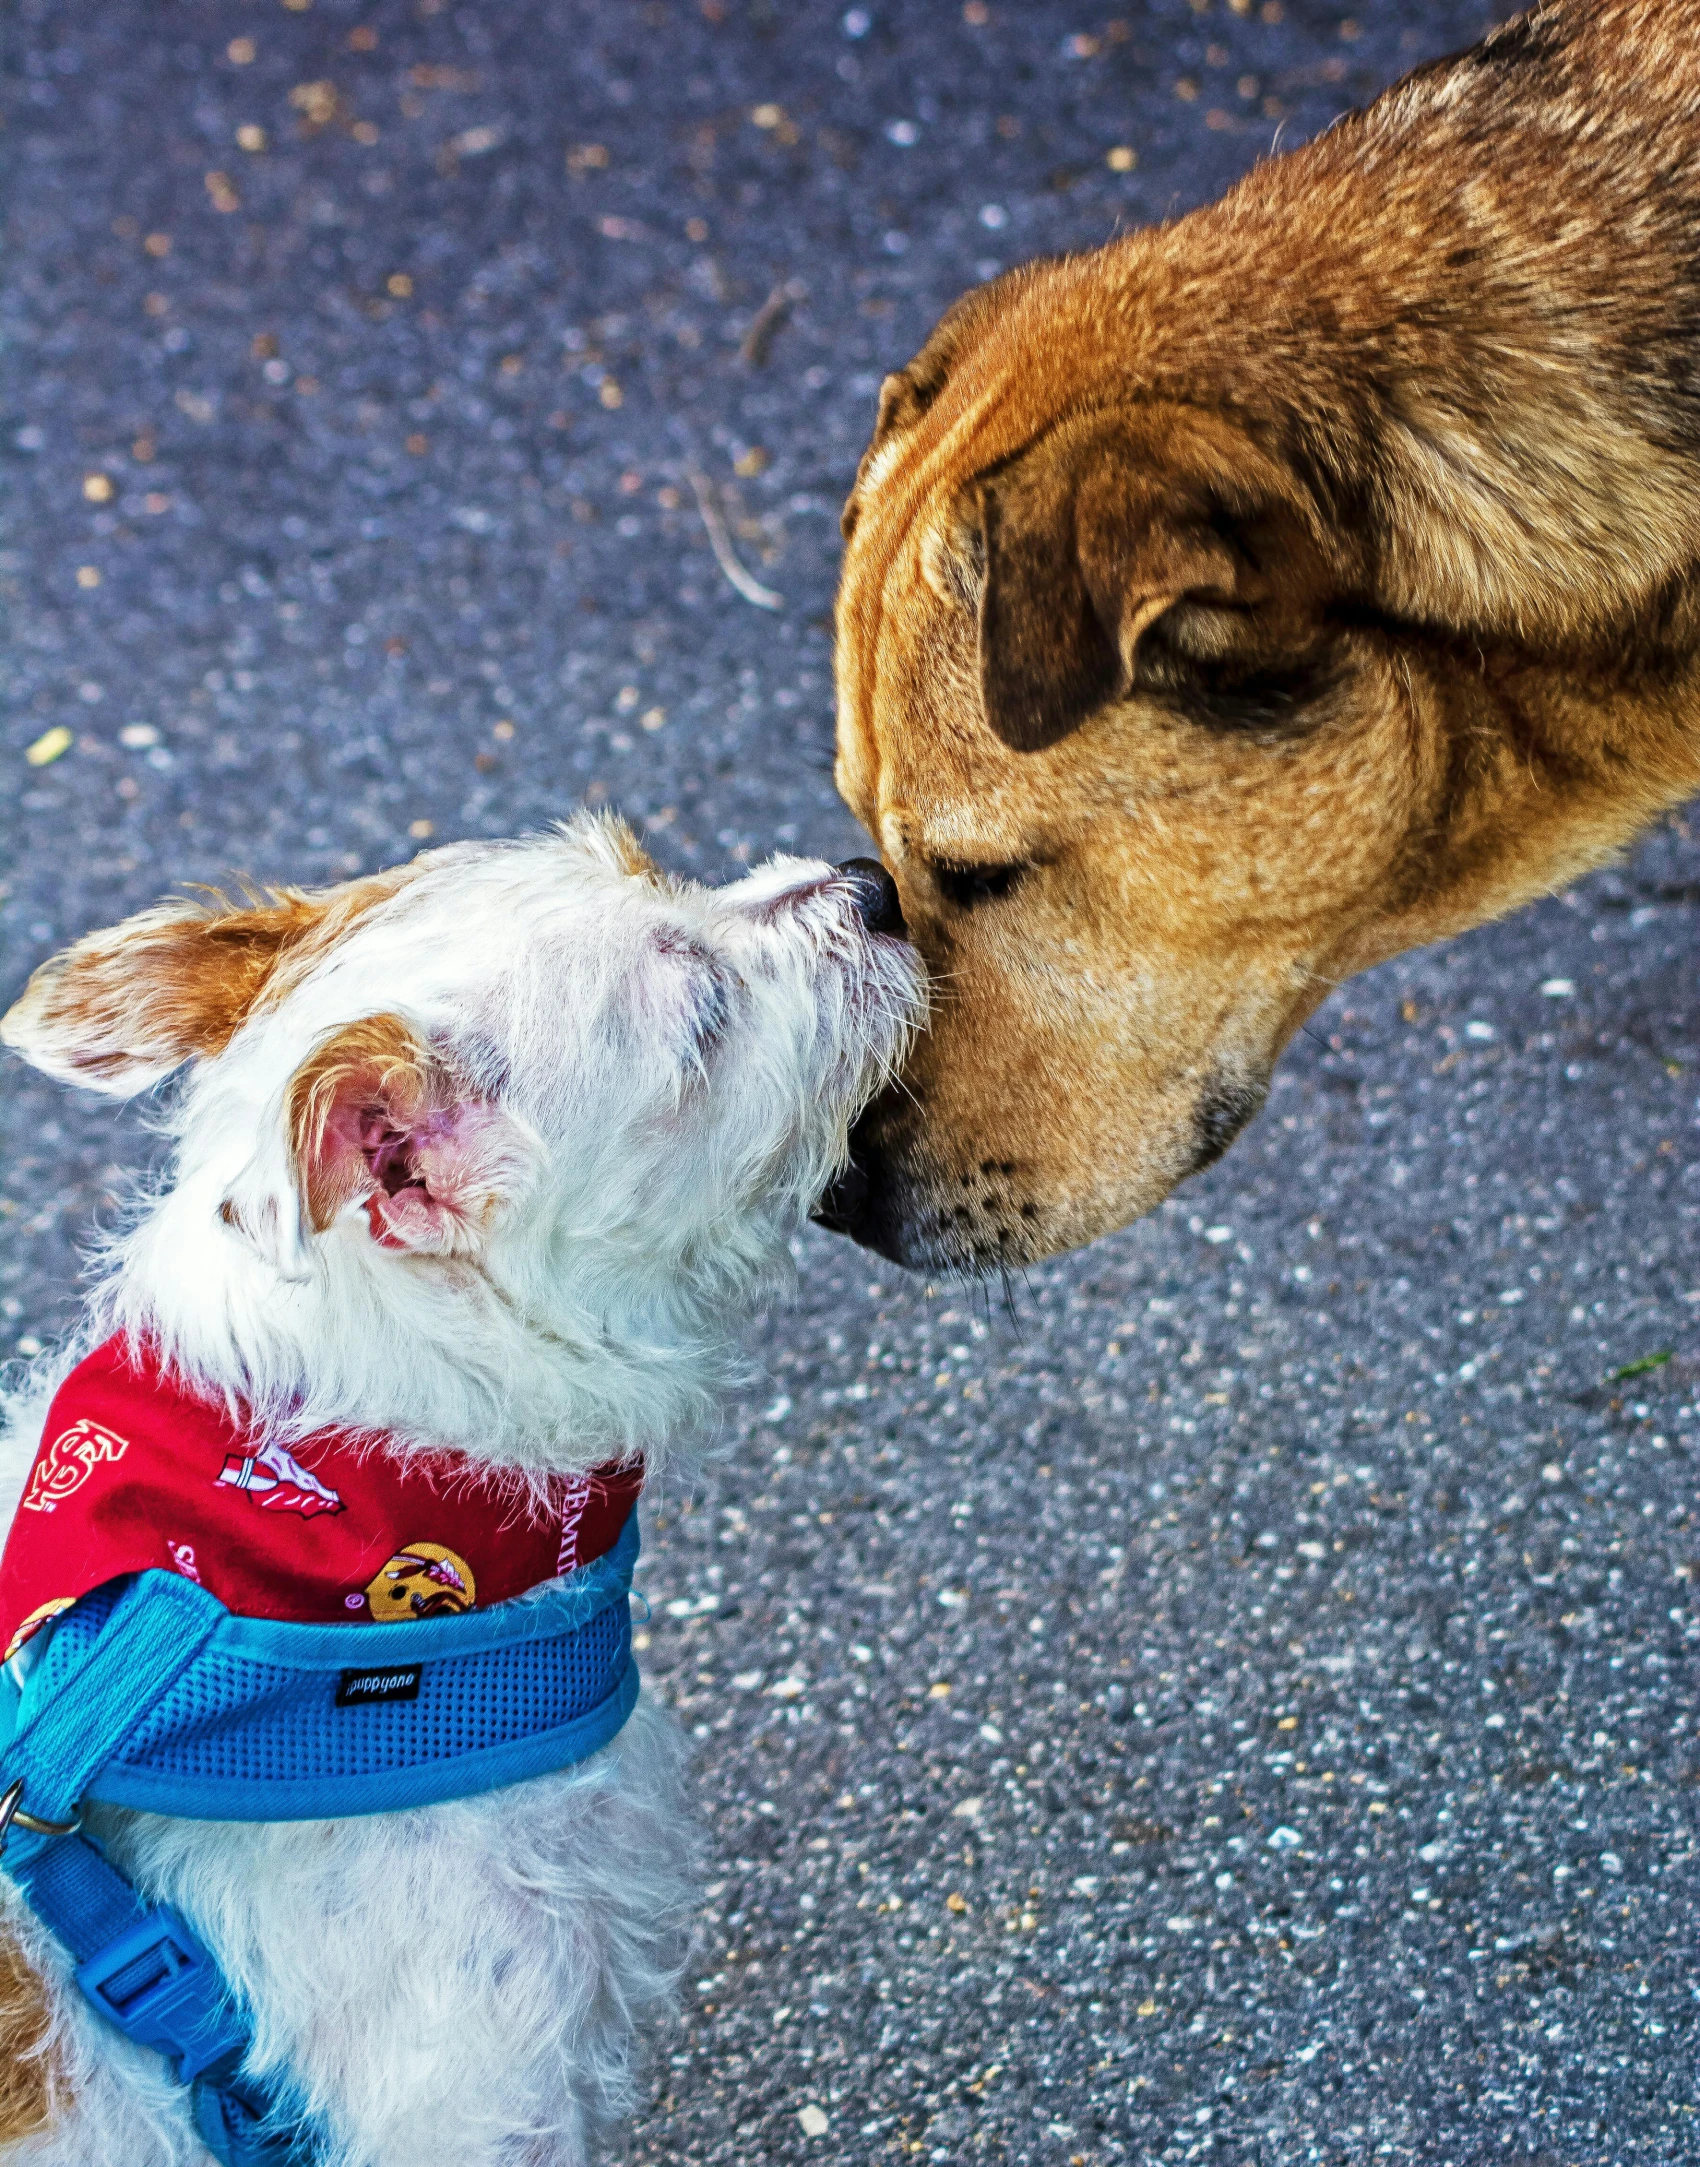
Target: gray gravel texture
[[1235, 1704]]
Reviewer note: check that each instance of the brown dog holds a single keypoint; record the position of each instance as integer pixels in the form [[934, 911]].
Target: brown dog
[[1266, 593]]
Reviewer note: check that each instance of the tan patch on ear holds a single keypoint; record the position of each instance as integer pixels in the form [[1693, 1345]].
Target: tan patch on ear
[[126, 1005], [145, 995], [28, 2082], [379, 1062]]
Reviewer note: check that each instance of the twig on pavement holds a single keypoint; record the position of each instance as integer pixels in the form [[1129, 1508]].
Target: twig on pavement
[[753, 347], [720, 541]]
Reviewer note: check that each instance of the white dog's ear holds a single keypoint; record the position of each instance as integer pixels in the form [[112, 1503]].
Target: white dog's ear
[[124, 1007], [375, 1116]]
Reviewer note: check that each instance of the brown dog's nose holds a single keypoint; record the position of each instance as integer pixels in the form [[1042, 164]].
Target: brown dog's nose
[[875, 894]]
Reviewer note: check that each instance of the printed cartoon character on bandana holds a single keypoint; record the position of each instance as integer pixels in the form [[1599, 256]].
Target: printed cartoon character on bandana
[[277, 1482], [422, 1581]]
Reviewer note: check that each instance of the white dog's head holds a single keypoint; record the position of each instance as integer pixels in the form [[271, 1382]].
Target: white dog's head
[[497, 1150]]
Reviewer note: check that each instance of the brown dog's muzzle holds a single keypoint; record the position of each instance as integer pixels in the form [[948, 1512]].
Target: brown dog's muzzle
[[896, 1197], [887, 1200]]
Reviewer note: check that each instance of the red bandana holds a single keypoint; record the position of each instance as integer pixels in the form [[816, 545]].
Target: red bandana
[[134, 1471]]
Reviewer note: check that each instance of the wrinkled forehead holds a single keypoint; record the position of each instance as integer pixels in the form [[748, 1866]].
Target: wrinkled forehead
[[1036, 354], [917, 762], [891, 625], [906, 630]]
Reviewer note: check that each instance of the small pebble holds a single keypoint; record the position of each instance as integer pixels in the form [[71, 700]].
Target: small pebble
[[49, 746]]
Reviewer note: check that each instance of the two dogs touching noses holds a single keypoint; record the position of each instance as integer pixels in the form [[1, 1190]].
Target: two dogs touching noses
[[485, 1161], [1222, 613]]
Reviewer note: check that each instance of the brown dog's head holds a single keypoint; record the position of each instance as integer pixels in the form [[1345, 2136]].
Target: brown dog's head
[[1094, 704], [1191, 641]]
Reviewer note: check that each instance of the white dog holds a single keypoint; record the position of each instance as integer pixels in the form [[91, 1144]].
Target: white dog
[[480, 1165]]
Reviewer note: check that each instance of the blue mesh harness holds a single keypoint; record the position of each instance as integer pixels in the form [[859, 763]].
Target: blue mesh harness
[[151, 1694]]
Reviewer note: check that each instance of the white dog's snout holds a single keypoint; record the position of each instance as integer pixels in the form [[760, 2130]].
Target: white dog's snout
[[776, 891], [793, 899]]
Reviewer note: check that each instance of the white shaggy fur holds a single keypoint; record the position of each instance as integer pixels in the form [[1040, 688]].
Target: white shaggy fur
[[662, 1078]]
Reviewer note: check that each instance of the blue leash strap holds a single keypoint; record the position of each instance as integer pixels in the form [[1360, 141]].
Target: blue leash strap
[[138, 1964]]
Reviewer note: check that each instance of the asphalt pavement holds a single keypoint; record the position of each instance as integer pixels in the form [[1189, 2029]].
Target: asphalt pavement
[[1234, 1703]]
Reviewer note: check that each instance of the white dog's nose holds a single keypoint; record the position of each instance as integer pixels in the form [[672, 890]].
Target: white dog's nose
[[875, 894]]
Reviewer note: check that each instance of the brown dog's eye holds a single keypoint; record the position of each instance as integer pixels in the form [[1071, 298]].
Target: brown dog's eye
[[969, 885]]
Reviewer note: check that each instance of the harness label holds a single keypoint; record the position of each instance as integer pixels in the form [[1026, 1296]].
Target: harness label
[[355, 1688]]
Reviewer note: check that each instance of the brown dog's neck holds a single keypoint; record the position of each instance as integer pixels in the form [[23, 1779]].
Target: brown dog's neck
[[1463, 318], [1532, 772]]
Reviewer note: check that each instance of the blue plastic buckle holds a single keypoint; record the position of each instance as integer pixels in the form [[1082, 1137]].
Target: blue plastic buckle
[[161, 1988]]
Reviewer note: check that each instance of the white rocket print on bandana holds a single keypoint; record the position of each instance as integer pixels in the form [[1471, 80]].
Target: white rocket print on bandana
[[277, 1482]]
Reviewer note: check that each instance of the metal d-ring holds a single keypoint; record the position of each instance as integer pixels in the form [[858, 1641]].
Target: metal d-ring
[[11, 1809]]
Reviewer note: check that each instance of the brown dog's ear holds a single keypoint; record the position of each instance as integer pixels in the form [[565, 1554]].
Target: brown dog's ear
[[1122, 554], [124, 1007]]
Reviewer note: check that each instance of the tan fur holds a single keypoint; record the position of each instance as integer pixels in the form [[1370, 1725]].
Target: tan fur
[[177, 980], [633, 857], [1264, 594], [28, 2084], [173, 981]]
